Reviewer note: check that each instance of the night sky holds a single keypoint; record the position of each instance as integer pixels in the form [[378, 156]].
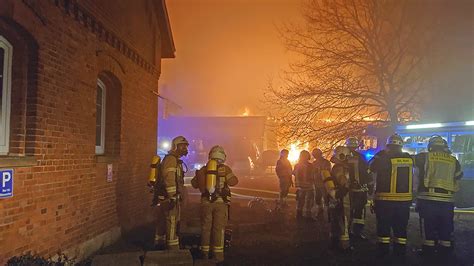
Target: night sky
[[228, 50]]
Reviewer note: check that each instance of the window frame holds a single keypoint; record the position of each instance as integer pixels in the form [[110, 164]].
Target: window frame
[[100, 150], [6, 97]]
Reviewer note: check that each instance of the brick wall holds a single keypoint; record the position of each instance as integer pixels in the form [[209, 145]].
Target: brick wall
[[61, 195]]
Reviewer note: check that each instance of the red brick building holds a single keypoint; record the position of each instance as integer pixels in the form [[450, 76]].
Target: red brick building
[[78, 120]]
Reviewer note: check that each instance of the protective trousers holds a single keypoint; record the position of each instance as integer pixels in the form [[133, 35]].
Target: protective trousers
[[305, 201], [437, 222], [214, 216], [358, 202], [339, 219], [167, 226], [284, 189], [392, 215]]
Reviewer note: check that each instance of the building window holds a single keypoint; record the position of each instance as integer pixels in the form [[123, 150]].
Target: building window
[[100, 118], [5, 91]]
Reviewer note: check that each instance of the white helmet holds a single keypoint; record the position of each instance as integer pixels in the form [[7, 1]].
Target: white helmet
[[217, 153], [352, 142], [178, 140], [341, 153], [395, 139]]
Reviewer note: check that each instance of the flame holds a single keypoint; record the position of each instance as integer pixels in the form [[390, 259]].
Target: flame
[[294, 151], [246, 112]]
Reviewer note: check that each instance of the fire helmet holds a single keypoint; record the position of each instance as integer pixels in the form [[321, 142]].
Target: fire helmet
[[341, 153], [352, 142], [217, 153], [317, 153], [304, 156], [178, 140], [395, 139], [438, 143], [283, 152]]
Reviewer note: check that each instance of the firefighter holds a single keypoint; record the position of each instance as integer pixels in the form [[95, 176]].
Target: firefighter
[[284, 171], [303, 173], [439, 173], [337, 188], [320, 164], [360, 183], [213, 181], [169, 209], [393, 170]]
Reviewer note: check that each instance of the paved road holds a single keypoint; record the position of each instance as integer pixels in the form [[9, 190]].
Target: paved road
[[276, 238]]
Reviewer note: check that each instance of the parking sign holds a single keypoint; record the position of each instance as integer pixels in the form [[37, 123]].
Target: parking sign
[[6, 183]]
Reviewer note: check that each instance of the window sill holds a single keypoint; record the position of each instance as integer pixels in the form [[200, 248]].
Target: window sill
[[106, 159], [17, 161]]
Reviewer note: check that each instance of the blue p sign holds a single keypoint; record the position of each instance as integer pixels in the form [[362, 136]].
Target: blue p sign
[[6, 182]]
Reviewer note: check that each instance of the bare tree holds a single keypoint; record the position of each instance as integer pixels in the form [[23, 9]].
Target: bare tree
[[361, 62]]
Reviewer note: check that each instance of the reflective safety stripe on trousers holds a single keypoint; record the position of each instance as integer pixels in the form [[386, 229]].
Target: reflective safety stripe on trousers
[[400, 240], [429, 243], [383, 239], [444, 243]]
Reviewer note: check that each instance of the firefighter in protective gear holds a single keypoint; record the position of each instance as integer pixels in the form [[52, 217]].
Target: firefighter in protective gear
[[213, 181], [337, 188], [393, 171], [303, 173], [284, 171], [320, 164], [439, 173], [360, 184], [169, 209]]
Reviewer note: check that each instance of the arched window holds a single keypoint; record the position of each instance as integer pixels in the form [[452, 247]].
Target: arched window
[[6, 52], [100, 118], [108, 115]]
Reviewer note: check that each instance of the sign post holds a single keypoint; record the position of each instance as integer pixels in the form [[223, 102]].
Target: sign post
[[6, 183]]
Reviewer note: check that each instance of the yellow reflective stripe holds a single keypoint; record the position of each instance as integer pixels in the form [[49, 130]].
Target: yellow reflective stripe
[[394, 196], [444, 243], [160, 237], [170, 169], [172, 242], [429, 243], [171, 189], [445, 197], [229, 176], [358, 221], [396, 163], [218, 249], [344, 237], [400, 240], [204, 248], [383, 239]]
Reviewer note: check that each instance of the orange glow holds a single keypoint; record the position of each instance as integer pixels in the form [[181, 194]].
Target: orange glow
[[295, 149], [246, 112]]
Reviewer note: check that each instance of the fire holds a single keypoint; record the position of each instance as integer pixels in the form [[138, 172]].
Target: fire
[[294, 151], [246, 112]]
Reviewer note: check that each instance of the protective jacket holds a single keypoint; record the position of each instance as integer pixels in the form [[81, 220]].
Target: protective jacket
[[359, 178], [439, 173], [173, 175], [219, 190], [304, 175], [393, 176]]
